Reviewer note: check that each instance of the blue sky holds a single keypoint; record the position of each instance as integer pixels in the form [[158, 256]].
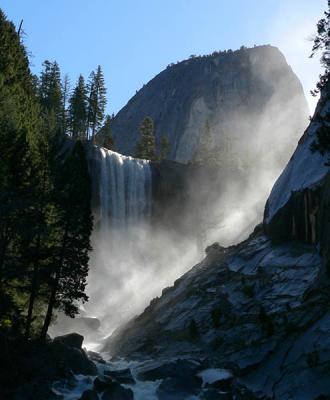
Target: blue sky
[[134, 40]]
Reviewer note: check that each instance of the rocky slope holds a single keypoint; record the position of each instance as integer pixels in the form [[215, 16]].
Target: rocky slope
[[243, 95], [259, 310]]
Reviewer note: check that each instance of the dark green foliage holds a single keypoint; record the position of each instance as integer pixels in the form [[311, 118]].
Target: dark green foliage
[[96, 101], [71, 240], [322, 43], [45, 217], [322, 144], [78, 110], [18, 121], [146, 147], [205, 146], [80, 113], [164, 147], [65, 87], [50, 93], [207, 153], [104, 136]]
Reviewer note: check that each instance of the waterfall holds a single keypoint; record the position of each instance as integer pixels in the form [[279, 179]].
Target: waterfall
[[132, 260], [125, 190]]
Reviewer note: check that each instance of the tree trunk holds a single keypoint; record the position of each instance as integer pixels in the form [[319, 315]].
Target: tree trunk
[[50, 308], [2, 256], [52, 299], [33, 293], [34, 283]]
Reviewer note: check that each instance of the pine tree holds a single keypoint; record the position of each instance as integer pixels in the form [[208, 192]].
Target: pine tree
[[39, 248], [50, 92], [104, 136], [205, 151], [18, 122], [322, 42], [72, 236], [65, 98], [164, 147], [40, 242], [78, 110], [96, 101], [146, 146]]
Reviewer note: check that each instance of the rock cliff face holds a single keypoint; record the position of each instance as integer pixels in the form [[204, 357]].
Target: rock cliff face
[[259, 310], [298, 206], [243, 95]]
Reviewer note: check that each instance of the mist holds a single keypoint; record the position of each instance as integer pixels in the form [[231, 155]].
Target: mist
[[131, 268], [135, 257]]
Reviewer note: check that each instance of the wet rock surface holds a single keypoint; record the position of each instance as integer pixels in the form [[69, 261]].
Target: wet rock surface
[[181, 368], [258, 309]]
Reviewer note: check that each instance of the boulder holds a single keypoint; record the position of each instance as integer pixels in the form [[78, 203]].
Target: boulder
[[89, 395], [71, 340], [117, 392], [179, 388], [76, 360], [102, 383], [66, 351]]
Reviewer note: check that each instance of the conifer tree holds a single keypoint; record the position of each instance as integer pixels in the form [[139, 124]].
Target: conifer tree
[[38, 249], [18, 122], [104, 136], [65, 99], [45, 219], [164, 147], [78, 110], [146, 146], [205, 150], [72, 236], [96, 101], [50, 91], [322, 43]]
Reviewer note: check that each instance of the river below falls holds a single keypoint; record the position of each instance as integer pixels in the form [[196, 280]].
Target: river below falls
[[73, 389]]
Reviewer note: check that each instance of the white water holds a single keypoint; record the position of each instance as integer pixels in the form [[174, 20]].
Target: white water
[[73, 389], [132, 261], [125, 205], [125, 190]]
